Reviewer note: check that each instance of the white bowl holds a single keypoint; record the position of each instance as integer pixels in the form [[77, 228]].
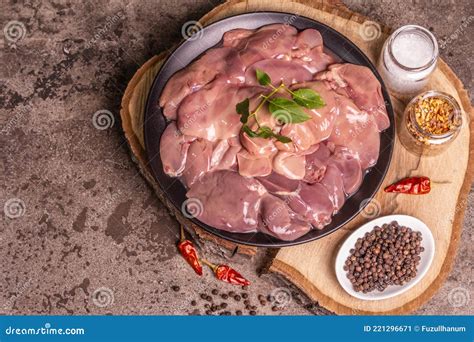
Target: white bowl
[[403, 220]]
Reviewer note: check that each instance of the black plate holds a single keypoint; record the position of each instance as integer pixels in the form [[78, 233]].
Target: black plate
[[211, 35]]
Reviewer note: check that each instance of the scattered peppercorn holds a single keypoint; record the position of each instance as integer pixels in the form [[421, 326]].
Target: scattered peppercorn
[[237, 298], [175, 288], [193, 303], [215, 292]]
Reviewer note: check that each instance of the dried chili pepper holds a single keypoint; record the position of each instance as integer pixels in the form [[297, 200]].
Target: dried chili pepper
[[411, 185], [227, 274], [188, 251]]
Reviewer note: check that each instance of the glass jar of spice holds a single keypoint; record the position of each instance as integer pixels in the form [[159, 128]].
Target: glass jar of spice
[[430, 122], [408, 58]]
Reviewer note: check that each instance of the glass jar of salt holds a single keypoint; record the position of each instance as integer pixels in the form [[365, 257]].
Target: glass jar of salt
[[407, 59]]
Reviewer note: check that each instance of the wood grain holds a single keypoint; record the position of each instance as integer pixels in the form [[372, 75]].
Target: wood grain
[[311, 266]]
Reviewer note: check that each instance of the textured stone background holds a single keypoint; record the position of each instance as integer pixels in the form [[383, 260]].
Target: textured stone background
[[93, 238]]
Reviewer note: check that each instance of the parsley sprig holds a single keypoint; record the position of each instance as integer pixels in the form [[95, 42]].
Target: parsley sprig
[[281, 108]]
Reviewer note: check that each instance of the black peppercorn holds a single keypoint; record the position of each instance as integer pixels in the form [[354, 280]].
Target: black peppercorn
[[388, 255]]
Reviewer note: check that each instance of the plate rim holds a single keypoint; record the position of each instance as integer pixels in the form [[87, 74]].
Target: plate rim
[[358, 232], [243, 238]]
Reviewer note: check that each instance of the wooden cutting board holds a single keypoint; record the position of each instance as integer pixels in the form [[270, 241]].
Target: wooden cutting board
[[311, 266]]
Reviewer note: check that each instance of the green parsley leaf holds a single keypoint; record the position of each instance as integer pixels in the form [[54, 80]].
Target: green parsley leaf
[[262, 77], [287, 110], [308, 98], [265, 132], [282, 138], [249, 132], [242, 108]]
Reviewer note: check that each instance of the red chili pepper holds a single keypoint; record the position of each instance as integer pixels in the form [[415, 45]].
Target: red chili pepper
[[411, 185], [227, 274], [188, 251]]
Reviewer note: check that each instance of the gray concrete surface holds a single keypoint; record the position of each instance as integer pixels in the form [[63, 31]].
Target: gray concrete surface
[[81, 232]]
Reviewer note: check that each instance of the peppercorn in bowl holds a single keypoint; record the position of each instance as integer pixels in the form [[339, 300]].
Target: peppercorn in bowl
[[385, 257]]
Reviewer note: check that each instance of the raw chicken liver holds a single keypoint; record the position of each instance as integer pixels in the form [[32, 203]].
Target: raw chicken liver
[[229, 201], [319, 128], [198, 161], [279, 71], [224, 62], [210, 112], [278, 220], [361, 85], [174, 150], [248, 184]]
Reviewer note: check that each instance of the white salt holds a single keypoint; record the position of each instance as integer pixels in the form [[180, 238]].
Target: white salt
[[412, 47], [412, 50]]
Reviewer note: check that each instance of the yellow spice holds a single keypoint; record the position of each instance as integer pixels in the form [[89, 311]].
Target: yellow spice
[[434, 115]]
